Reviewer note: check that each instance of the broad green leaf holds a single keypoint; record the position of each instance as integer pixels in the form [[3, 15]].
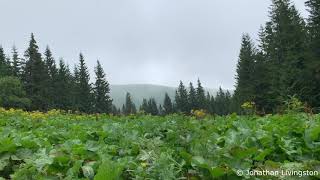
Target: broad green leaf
[[216, 172], [43, 159], [199, 162], [186, 156], [88, 171], [74, 170], [7, 145], [92, 146], [109, 170], [4, 161], [313, 133], [263, 154]]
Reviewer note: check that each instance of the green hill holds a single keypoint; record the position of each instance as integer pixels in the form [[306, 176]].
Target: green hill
[[140, 91]]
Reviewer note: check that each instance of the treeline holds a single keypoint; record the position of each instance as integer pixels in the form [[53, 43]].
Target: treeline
[[186, 100], [286, 61], [35, 82]]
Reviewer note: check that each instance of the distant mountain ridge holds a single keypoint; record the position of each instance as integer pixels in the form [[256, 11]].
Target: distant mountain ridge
[[140, 91]]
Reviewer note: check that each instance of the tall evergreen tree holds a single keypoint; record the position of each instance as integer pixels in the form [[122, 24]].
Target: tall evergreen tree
[[152, 107], [245, 89], [64, 88], [208, 106], [50, 63], [192, 98], [144, 105], [201, 97], [262, 85], [314, 47], [9, 66], [314, 26], [212, 107], [17, 63], [103, 102], [84, 96], [35, 77], [167, 105], [222, 102], [4, 66], [284, 45], [75, 88], [228, 102], [129, 107], [52, 71], [181, 99]]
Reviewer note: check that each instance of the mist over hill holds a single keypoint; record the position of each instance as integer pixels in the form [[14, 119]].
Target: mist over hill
[[140, 91]]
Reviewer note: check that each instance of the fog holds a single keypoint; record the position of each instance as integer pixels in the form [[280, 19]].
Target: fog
[[140, 41]]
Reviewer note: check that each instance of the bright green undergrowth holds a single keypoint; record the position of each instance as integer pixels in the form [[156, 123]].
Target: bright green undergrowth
[[101, 147]]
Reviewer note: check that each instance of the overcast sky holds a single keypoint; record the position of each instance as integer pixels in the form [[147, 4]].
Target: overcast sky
[[140, 41]]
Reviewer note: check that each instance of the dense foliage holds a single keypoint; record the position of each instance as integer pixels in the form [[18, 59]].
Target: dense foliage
[[56, 145], [48, 86], [286, 61], [12, 93]]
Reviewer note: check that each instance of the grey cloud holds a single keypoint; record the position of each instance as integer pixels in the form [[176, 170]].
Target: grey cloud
[[141, 41]]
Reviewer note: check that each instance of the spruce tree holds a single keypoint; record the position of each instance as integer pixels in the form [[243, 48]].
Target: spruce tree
[[262, 85], [134, 109], [167, 105], [212, 105], [265, 96], [314, 28], [284, 45], [17, 63], [129, 107], [75, 89], [201, 97], [52, 71], [9, 66], [144, 105], [192, 98], [35, 77], [84, 96], [221, 103], [245, 88], [228, 102], [152, 107], [181, 99], [4, 65], [313, 68], [103, 102], [208, 106], [50, 63], [64, 88]]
